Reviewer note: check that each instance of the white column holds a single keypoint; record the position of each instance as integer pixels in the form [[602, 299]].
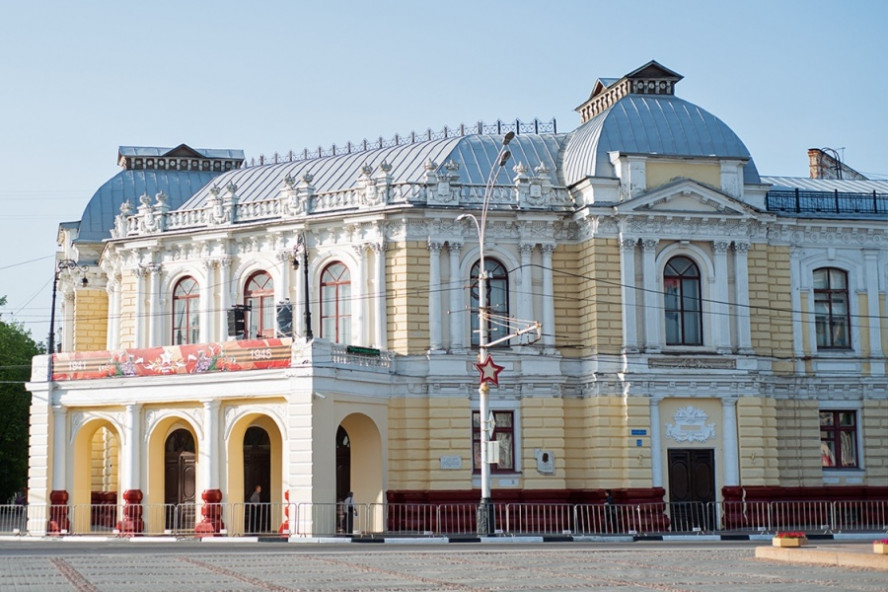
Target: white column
[[630, 290], [112, 340], [800, 288], [139, 336], [741, 266], [68, 303], [721, 318], [131, 453], [379, 299], [206, 300], [457, 294], [435, 294], [359, 304], [59, 447], [653, 297], [224, 297], [548, 299], [299, 299], [209, 457], [656, 447], [525, 285], [729, 441], [155, 314], [871, 277]]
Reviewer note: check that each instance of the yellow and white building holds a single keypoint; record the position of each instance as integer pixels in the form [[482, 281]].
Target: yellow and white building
[[706, 332]]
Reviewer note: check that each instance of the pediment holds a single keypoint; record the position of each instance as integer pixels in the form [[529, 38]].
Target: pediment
[[184, 151], [654, 69], [686, 197]]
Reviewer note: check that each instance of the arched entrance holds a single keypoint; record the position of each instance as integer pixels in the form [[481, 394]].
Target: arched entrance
[[96, 477], [179, 480], [359, 468], [257, 473], [254, 447], [343, 474]]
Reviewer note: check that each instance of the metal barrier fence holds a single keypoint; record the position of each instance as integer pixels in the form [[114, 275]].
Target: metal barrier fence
[[334, 519]]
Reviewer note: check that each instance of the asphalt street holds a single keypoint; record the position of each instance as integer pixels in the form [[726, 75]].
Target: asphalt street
[[62, 565]]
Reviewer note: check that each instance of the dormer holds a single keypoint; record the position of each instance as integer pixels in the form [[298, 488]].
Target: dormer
[[650, 79], [180, 158]]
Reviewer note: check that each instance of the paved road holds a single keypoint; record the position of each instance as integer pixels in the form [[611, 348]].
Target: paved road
[[642, 566]]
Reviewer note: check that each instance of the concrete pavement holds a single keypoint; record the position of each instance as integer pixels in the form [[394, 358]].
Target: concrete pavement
[[703, 566]]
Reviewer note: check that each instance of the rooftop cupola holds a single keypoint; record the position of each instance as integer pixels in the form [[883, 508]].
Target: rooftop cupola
[[650, 79]]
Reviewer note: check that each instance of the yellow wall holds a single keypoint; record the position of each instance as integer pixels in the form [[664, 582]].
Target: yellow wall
[[407, 302], [90, 319], [543, 428], [875, 441], [600, 329], [127, 320], [103, 460], [659, 173], [757, 431], [798, 443], [565, 286], [770, 298]]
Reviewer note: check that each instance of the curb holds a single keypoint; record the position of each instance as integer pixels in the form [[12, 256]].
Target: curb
[[866, 537]]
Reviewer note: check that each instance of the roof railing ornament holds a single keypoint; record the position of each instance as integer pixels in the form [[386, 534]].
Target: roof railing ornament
[[499, 128]]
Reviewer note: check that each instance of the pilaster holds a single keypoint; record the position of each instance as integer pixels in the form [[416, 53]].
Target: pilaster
[[435, 329], [457, 296], [653, 305]]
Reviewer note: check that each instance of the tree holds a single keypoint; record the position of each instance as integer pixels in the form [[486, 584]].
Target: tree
[[16, 350]]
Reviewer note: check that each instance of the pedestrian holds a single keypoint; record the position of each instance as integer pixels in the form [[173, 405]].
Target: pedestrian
[[610, 510], [348, 509], [255, 509]]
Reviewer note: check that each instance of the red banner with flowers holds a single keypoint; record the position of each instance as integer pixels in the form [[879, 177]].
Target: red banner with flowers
[[230, 356]]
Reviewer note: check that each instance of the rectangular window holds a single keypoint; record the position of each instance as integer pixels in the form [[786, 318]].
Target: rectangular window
[[838, 439], [504, 433]]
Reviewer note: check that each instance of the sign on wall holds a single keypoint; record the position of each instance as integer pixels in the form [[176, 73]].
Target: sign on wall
[[230, 356]]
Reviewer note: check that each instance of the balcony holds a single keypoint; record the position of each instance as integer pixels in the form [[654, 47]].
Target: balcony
[[835, 204]]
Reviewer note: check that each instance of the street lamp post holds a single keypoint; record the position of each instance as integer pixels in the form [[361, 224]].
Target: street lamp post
[[302, 245], [488, 370]]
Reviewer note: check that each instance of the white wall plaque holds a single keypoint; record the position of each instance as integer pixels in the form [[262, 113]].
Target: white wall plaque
[[451, 462]]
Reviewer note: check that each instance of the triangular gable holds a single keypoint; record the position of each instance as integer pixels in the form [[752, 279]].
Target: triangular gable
[[184, 151], [654, 69], [601, 85], [686, 197]]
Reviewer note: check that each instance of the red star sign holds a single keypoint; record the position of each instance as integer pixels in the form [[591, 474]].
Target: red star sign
[[489, 371]]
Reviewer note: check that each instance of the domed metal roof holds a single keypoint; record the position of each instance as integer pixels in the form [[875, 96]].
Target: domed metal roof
[[650, 124], [128, 185], [475, 155]]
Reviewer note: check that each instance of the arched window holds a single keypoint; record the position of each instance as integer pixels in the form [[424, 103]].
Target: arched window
[[831, 314], [336, 303], [497, 301], [684, 317], [186, 320], [259, 299]]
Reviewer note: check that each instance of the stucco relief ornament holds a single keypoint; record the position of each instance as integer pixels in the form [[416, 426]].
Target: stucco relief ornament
[[120, 221], [690, 426], [147, 218]]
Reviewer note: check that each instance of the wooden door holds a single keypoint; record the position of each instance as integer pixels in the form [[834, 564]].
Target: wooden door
[[692, 489]]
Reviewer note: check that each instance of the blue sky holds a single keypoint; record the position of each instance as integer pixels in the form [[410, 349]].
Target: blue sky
[[80, 79]]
